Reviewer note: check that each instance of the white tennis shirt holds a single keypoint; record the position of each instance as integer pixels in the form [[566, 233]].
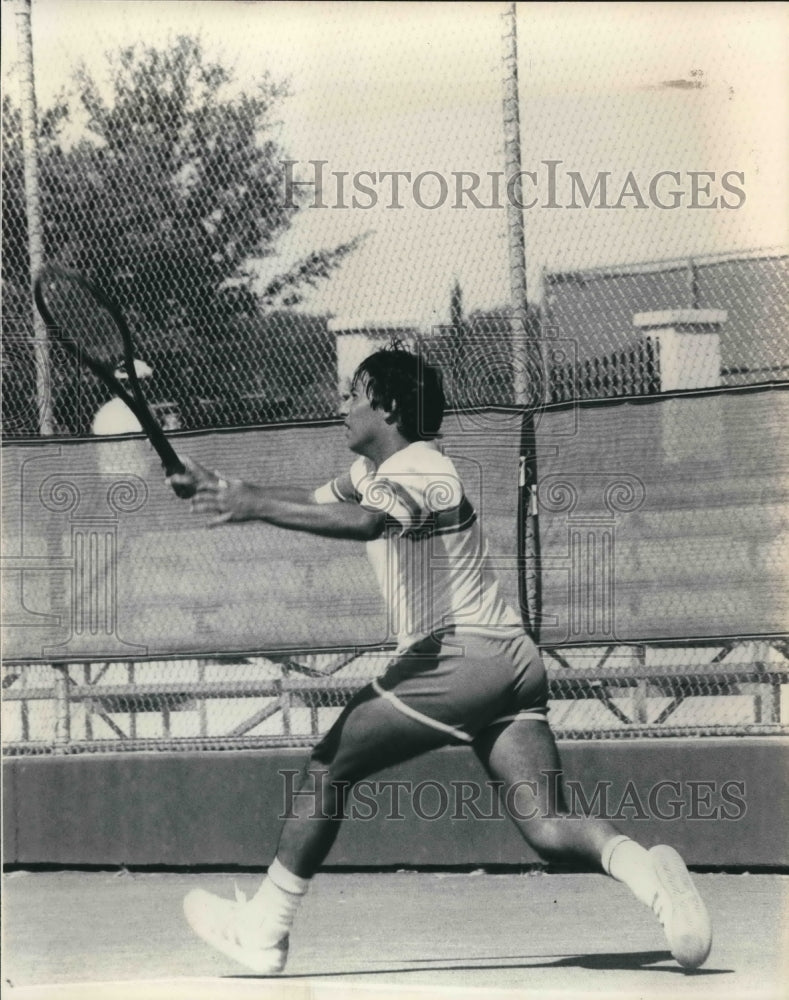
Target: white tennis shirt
[[432, 561]]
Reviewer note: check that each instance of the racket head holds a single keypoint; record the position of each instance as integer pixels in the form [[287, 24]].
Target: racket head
[[74, 312], [91, 327]]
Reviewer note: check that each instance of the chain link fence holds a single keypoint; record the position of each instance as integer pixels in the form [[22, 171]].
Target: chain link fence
[[264, 188], [743, 300], [245, 222], [618, 691]]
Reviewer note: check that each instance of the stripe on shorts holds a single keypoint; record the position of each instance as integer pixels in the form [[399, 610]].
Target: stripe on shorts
[[536, 714], [412, 713]]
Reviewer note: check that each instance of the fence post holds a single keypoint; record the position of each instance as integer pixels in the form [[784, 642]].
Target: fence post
[[526, 359], [62, 712], [33, 212], [688, 342], [515, 228]]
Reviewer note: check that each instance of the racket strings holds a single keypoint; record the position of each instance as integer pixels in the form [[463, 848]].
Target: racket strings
[[81, 319]]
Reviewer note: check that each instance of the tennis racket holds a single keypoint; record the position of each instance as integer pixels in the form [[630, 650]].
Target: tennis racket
[[90, 326]]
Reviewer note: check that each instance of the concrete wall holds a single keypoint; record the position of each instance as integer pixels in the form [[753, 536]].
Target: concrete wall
[[727, 807]]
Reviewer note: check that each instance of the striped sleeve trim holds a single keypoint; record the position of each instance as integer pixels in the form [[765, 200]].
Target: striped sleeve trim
[[444, 522], [336, 490], [455, 519], [331, 493]]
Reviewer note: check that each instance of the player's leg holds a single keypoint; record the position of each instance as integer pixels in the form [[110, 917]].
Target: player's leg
[[369, 735], [425, 699], [523, 757]]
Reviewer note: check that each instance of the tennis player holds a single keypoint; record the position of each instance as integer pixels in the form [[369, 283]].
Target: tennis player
[[464, 672]]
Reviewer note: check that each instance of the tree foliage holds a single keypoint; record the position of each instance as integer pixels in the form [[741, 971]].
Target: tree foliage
[[475, 354], [167, 187]]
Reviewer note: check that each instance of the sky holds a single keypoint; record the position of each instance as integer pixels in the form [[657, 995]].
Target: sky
[[613, 89]]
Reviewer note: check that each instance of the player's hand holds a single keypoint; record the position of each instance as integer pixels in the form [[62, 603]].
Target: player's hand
[[186, 484], [228, 501]]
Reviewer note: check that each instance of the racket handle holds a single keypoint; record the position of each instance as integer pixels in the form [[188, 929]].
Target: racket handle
[[173, 467], [171, 463], [183, 492]]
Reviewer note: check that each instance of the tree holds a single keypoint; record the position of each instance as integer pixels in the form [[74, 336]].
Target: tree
[[475, 353], [172, 192], [456, 307]]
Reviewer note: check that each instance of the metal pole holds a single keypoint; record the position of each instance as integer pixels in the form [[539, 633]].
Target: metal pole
[[516, 241], [62, 710], [526, 356], [34, 233]]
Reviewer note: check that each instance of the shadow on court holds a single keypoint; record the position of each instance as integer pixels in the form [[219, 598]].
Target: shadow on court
[[366, 933], [621, 961]]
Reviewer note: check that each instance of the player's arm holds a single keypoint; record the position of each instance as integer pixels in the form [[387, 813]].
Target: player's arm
[[196, 476], [287, 507], [239, 501]]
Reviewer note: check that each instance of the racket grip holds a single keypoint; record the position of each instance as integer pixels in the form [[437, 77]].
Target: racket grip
[[183, 492], [173, 466]]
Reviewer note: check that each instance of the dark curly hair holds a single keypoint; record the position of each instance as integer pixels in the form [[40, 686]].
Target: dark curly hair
[[406, 385]]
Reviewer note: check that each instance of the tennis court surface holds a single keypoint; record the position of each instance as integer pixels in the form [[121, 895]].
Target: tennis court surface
[[121, 936]]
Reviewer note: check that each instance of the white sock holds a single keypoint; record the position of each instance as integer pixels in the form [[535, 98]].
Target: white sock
[[278, 899], [628, 862]]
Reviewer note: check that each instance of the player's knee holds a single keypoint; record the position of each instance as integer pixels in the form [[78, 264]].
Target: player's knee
[[327, 754], [334, 764], [343, 756], [551, 838]]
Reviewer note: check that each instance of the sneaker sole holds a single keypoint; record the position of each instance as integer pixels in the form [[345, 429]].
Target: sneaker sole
[[265, 961], [690, 923]]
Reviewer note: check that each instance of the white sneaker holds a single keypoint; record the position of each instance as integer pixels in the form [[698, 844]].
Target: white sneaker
[[230, 927], [681, 909]]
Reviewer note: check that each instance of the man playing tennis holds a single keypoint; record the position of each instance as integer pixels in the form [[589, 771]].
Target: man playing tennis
[[464, 670]]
